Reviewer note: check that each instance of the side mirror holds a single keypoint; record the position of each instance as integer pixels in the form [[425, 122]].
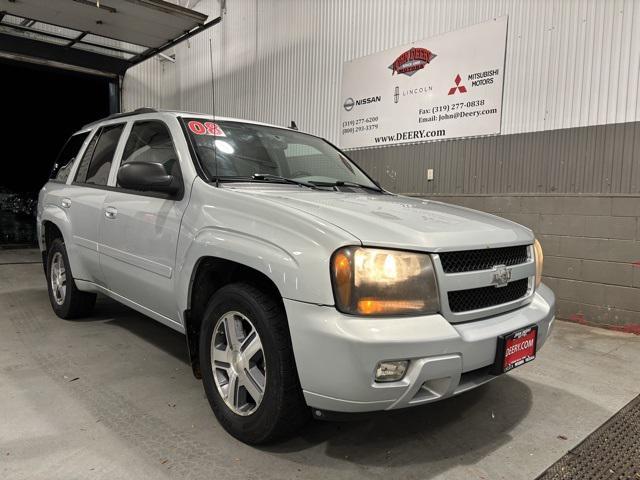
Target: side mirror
[[147, 177]]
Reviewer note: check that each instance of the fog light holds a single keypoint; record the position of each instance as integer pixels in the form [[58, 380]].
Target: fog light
[[391, 371]]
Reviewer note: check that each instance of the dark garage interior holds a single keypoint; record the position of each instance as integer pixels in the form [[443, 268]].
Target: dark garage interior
[[42, 107], [447, 288]]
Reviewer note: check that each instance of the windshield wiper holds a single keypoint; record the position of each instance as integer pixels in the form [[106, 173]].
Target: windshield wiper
[[342, 183], [263, 177], [277, 178]]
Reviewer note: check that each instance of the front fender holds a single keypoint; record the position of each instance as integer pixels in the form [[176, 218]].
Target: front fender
[[290, 247], [282, 268]]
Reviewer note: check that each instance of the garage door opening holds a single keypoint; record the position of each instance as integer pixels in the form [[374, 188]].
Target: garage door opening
[[41, 108]]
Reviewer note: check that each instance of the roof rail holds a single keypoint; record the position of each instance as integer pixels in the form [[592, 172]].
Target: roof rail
[[137, 111]]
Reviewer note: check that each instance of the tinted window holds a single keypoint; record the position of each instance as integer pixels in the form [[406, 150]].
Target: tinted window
[[81, 174], [67, 155], [151, 141], [96, 162]]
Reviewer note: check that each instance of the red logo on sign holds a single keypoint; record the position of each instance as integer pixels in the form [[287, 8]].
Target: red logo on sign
[[411, 61], [459, 87]]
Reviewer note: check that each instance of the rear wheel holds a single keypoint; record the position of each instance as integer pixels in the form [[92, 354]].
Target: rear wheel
[[247, 363], [67, 301]]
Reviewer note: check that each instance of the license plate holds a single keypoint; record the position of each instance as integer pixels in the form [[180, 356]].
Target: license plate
[[515, 349]]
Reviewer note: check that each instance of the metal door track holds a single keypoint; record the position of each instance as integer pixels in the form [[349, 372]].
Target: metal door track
[[611, 452]]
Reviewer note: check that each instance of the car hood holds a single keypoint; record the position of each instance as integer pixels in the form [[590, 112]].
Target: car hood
[[403, 222]]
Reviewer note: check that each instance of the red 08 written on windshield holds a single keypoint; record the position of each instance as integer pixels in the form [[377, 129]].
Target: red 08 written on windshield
[[206, 128]]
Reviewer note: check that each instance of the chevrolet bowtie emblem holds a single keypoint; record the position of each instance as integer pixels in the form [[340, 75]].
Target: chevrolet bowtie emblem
[[501, 275]]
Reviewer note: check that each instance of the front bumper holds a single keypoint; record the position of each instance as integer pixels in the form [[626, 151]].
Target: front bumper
[[336, 354]]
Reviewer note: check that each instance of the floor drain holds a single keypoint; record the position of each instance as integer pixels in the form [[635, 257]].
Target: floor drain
[[611, 452]]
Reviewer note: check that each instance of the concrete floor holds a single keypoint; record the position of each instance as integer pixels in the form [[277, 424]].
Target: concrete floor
[[113, 397]]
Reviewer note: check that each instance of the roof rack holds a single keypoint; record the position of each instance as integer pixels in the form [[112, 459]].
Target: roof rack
[[137, 111]]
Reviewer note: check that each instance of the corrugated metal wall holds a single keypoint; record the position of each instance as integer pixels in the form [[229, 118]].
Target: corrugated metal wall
[[569, 63], [595, 159], [153, 84]]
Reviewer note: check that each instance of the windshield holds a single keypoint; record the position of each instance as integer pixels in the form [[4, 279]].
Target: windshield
[[247, 151]]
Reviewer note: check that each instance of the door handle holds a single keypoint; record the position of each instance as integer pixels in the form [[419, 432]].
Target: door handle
[[66, 202], [110, 212]]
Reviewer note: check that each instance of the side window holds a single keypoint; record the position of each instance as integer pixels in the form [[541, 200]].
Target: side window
[[81, 173], [96, 162], [150, 141], [67, 155]]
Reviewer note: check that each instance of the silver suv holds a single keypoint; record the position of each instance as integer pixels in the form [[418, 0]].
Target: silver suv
[[297, 280]]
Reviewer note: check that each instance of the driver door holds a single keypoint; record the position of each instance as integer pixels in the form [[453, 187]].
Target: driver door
[[139, 230]]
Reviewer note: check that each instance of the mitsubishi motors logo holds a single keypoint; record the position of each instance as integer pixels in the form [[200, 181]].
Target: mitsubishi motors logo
[[459, 87]]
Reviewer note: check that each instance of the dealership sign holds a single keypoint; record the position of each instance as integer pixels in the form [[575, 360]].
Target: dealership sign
[[443, 87]]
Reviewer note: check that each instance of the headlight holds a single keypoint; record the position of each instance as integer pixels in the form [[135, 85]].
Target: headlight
[[539, 257], [372, 281]]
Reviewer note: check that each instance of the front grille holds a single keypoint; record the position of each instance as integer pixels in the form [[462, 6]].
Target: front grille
[[485, 259], [484, 297]]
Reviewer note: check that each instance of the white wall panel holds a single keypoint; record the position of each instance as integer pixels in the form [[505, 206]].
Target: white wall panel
[[569, 62], [153, 84]]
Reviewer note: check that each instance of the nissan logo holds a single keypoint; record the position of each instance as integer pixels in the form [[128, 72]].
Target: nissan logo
[[348, 104]]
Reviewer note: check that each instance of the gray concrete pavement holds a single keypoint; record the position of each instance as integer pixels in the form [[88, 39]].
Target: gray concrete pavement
[[20, 255], [113, 397]]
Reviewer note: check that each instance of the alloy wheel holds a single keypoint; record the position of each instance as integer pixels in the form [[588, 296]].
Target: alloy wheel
[[238, 361], [58, 278]]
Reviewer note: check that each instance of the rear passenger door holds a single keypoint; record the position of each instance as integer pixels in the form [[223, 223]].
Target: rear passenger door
[[139, 232], [86, 198]]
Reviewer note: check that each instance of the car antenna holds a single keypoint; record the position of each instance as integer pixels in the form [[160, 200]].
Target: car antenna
[[213, 112], [293, 125]]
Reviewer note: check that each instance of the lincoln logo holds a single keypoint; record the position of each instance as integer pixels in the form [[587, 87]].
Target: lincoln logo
[[501, 275]]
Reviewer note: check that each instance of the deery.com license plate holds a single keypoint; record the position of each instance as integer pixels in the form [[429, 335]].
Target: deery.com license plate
[[515, 349]]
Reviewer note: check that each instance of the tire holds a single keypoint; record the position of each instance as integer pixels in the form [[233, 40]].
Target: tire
[[66, 300], [272, 371]]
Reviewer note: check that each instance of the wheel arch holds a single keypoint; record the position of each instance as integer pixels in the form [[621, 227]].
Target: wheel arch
[[48, 233], [207, 277], [59, 217]]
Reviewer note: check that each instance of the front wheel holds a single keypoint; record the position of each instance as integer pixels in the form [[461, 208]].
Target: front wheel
[[247, 363]]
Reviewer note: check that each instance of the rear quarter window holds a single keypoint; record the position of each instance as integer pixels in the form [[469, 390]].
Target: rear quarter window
[[67, 155]]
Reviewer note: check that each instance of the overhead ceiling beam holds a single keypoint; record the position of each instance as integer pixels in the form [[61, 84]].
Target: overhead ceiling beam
[[26, 47], [72, 41], [77, 39], [119, 20], [53, 46], [154, 51], [167, 58], [54, 64], [96, 3]]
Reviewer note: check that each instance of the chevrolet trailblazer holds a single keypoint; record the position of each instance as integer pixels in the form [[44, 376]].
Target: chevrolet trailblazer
[[302, 287]]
